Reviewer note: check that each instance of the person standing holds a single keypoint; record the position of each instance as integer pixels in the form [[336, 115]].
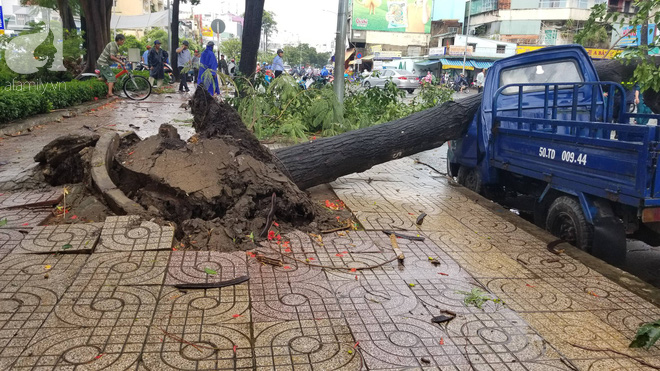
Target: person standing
[[480, 81], [109, 54], [278, 63], [209, 62], [232, 67], [184, 60], [156, 64], [145, 55], [195, 65], [222, 64], [641, 107]]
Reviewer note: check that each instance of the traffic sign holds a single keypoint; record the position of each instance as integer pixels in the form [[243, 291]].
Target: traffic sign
[[358, 56], [2, 22], [218, 26]]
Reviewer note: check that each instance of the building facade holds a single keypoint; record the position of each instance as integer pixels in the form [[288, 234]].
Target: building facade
[[530, 22], [137, 7]]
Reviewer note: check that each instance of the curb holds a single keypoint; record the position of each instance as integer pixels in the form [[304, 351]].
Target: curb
[[102, 159], [622, 278], [45, 118]]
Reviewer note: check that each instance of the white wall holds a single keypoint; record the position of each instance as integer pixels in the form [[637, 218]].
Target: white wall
[[487, 48], [397, 38]]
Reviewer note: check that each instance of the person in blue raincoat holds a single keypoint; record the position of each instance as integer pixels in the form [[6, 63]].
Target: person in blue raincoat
[[208, 61]]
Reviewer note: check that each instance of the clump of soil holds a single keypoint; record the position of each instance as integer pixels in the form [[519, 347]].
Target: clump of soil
[[64, 160], [222, 188]]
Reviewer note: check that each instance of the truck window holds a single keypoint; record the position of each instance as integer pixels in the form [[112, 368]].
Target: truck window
[[560, 71]]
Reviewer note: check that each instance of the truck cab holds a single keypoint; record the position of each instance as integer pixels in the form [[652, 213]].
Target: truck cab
[[550, 131]]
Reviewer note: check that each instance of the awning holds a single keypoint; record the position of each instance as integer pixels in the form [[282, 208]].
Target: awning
[[480, 64], [427, 62], [124, 22], [455, 64]]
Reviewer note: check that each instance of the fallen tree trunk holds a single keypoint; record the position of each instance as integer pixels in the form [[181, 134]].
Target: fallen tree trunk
[[327, 159]]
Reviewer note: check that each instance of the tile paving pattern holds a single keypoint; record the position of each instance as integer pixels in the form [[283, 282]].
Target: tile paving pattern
[[109, 302]]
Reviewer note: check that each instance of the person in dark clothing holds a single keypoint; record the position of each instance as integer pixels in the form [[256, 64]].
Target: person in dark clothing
[[156, 64], [222, 65]]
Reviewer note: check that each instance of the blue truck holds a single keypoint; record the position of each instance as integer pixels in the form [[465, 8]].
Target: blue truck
[[550, 131]]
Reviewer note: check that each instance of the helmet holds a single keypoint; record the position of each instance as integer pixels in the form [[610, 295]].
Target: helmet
[[280, 51]]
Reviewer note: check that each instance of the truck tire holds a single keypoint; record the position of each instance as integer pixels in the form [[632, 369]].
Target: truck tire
[[566, 220], [470, 178]]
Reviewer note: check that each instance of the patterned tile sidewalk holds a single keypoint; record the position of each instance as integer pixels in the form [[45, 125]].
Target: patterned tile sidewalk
[[104, 296]]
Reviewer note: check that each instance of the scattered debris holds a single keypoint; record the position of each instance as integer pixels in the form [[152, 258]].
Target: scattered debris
[[640, 361], [647, 335], [477, 297], [420, 219], [426, 360], [445, 317], [270, 261], [397, 251], [553, 244], [404, 236], [213, 285]]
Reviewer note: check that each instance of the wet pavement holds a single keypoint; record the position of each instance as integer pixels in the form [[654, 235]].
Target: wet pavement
[[108, 295]]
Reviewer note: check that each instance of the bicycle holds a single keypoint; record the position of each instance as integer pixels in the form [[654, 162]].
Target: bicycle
[[135, 87]]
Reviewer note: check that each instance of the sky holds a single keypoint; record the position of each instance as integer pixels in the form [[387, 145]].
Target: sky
[[314, 21], [311, 21]]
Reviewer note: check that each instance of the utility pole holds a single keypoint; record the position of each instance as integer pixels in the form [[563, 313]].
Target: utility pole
[[340, 50], [467, 33]]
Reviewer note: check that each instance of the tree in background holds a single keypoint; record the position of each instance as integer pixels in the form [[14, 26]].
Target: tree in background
[[231, 49], [175, 33], [647, 72], [66, 8], [305, 55], [97, 28], [268, 26], [254, 11], [154, 34]]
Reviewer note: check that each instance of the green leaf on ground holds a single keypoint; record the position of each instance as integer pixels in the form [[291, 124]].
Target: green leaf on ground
[[67, 246], [3, 222], [210, 271], [647, 335], [477, 297]]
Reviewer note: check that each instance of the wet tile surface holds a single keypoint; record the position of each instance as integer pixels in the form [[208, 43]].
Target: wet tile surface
[[130, 233], [66, 238], [338, 301], [24, 218], [31, 199]]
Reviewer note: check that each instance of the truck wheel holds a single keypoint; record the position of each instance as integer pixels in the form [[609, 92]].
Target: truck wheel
[[470, 178], [566, 220]]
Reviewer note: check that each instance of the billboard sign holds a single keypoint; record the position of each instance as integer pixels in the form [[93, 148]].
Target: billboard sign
[[631, 36], [392, 15]]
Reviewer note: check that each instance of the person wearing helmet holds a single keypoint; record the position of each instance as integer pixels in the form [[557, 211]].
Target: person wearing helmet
[[278, 63]]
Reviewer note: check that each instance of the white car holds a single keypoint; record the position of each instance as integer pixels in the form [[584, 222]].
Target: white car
[[403, 79]]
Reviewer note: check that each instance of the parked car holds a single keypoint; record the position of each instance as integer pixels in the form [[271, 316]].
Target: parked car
[[401, 78]]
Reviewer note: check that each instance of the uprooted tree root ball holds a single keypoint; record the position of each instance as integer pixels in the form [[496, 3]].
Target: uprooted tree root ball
[[222, 187]]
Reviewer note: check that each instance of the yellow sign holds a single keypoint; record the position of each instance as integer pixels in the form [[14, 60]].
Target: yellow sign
[[207, 31], [459, 50], [593, 53], [2, 32]]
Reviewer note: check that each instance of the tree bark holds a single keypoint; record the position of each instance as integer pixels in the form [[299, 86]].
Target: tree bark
[[254, 12], [615, 71], [97, 16], [327, 159], [68, 23], [174, 57]]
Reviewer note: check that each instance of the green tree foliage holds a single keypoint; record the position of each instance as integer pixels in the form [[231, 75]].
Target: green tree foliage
[[305, 55], [268, 26], [231, 48], [132, 42], [647, 74], [282, 109], [154, 34]]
